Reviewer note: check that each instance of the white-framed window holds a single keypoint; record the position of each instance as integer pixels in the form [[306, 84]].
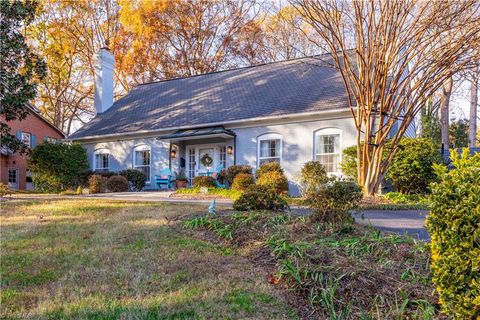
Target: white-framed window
[[327, 148], [269, 148], [13, 176], [50, 139], [101, 160], [142, 160], [26, 138]]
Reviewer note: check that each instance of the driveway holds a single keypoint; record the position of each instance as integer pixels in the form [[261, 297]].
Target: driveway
[[411, 222]]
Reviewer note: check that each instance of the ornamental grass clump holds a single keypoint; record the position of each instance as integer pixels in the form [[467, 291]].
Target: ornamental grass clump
[[454, 227]]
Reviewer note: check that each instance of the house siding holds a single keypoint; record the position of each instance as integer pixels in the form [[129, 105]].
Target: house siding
[[297, 144], [297, 147]]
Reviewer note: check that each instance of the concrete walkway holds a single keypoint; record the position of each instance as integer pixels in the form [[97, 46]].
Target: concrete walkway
[[411, 222]]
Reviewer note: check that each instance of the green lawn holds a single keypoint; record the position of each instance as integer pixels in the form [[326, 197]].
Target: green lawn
[[97, 259]]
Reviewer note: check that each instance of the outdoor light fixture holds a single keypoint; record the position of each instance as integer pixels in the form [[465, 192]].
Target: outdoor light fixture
[[229, 150], [173, 154]]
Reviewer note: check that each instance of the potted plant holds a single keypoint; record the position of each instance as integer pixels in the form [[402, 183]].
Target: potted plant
[[182, 179]]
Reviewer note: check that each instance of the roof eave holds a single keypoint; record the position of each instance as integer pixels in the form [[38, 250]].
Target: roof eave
[[231, 122]]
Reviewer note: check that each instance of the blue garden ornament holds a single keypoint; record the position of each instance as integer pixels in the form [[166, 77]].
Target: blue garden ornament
[[212, 209]]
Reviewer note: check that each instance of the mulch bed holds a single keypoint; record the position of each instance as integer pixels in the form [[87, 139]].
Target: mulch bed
[[366, 281]]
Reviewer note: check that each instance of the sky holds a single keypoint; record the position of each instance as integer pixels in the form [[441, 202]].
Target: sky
[[460, 101]]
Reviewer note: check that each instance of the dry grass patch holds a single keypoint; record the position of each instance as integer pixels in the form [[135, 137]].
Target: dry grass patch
[[97, 259]]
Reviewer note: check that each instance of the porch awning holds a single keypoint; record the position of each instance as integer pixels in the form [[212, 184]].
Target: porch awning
[[198, 133]]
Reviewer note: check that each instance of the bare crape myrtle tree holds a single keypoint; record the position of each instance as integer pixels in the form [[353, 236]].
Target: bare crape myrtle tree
[[393, 56]]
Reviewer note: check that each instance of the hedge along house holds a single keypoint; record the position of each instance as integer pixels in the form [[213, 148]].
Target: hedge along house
[[291, 111]]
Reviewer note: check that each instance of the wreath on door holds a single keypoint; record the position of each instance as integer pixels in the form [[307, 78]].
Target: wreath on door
[[206, 160]]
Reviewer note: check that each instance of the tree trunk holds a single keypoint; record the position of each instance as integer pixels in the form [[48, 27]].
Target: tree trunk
[[472, 134], [444, 111]]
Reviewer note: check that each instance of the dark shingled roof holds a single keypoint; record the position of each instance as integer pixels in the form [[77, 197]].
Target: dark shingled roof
[[272, 89]]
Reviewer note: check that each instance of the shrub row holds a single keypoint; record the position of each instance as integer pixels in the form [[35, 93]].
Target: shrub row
[[135, 180], [411, 169], [330, 199], [116, 183]]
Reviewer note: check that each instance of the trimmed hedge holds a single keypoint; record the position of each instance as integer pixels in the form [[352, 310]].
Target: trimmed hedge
[[242, 181], [313, 176], [273, 180], [411, 169], [136, 179], [260, 198], [96, 183], [232, 172], [117, 184], [273, 166], [56, 165], [332, 202], [203, 181], [454, 226]]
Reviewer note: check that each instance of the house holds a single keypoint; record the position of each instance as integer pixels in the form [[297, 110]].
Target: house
[[32, 130], [291, 112]]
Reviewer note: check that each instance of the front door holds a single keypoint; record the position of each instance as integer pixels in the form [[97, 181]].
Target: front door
[[205, 154], [195, 154]]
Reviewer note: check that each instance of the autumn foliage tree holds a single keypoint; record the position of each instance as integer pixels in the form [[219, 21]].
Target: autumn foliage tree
[[391, 61], [165, 39], [68, 34]]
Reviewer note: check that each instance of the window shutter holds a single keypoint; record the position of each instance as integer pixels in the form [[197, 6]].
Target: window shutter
[[19, 135], [34, 141]]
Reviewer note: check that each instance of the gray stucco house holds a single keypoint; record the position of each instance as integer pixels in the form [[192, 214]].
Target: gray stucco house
[[291, 111]]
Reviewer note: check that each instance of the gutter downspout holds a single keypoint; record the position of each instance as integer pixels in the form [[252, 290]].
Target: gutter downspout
[[235, 149]]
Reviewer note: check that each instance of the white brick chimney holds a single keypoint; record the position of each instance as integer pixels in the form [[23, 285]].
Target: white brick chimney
[[103, 86]]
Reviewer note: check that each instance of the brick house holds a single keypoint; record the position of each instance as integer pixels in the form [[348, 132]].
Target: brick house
[[32, 130]]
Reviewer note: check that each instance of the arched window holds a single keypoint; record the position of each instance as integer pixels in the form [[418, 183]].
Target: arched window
[[269, 148], [327, 149], [101, 160], [142, 160]]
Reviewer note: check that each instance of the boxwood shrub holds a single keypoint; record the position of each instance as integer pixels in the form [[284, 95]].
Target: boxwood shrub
[[96, 183], [313, 176], [260, 198], [117, 184], [232, 172], [274, 180], [242, 181], [136, 179], [203, 181], [268, 167], [333, 201], [454, 226]]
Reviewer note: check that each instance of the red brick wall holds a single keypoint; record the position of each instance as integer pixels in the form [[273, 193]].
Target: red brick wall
[[35, 125]]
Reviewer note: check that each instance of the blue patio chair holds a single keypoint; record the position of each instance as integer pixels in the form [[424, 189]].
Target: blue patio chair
[[217, 172], [166, 178]]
